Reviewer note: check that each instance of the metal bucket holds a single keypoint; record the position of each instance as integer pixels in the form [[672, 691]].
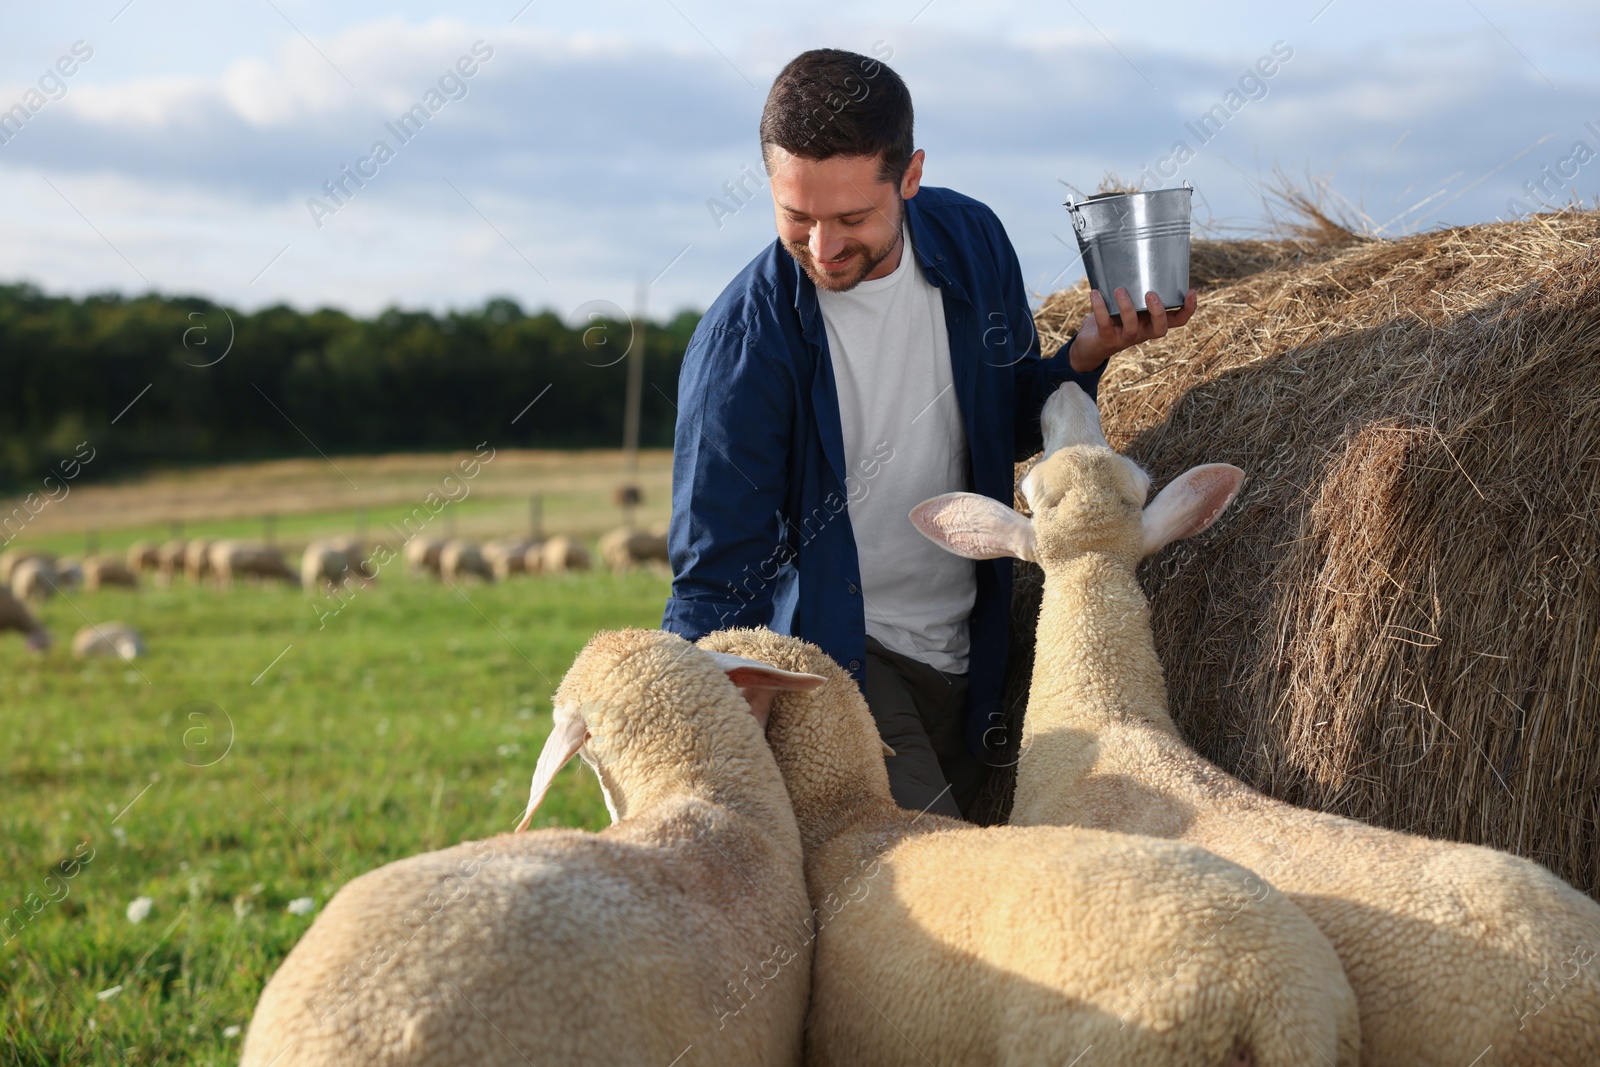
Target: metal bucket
[[1138, 241]]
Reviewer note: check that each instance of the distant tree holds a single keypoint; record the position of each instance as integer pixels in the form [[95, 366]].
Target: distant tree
[[209, 383]]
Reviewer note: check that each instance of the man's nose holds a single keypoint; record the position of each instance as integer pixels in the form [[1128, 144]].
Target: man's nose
[[827, 242]]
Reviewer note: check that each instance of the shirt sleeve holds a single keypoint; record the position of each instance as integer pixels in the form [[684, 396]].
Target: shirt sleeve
[[729, 481]]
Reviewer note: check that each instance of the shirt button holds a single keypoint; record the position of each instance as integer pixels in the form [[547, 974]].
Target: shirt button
[[855, 665], [851, 588]]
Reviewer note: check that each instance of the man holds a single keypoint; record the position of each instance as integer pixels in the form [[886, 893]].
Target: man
[[880, 352]]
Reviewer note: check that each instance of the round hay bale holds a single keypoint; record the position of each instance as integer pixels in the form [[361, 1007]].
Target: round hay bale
[[1399, 620]]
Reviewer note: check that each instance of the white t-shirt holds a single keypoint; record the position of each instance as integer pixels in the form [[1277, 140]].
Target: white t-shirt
[[902, 423]]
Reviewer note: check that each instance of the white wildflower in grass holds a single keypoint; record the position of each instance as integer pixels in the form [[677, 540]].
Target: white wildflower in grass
[[302, 906], [139, 910], [107, 994], [230, 1031]]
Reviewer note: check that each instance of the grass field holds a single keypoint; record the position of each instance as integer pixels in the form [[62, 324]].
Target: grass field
[[260, 753]]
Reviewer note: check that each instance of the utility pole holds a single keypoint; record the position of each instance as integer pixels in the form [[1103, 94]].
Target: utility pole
[[629, 495]]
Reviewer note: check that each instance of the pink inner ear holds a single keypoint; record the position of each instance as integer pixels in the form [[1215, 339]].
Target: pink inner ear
[[760, 678]]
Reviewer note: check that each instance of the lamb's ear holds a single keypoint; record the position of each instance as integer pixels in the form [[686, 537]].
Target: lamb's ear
[[567, 735], [1193, 501], [758, 681], [753, 674], [974, 526]]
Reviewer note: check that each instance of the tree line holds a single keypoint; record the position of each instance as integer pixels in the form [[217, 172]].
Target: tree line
[[158, 380]]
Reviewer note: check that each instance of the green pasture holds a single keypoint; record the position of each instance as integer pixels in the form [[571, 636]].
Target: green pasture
[[264, 750]]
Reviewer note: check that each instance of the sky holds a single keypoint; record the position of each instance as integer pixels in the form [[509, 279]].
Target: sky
[[605, 153]]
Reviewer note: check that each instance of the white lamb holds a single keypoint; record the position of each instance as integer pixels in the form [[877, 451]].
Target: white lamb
[[562, 554], [230, 560], [565, 947], [14, 616], [1457, 954], [108, 639], [458, 558], [625, 547], [102, 571], [324, 566], [937, 941], [35, 578]]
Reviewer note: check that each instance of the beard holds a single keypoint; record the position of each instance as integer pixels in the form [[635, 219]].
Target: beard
[[868, 259]]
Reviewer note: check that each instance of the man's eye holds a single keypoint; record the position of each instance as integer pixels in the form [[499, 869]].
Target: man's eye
[[854, 222]]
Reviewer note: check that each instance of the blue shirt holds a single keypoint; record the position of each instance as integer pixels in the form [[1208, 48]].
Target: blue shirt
[[761, 531]]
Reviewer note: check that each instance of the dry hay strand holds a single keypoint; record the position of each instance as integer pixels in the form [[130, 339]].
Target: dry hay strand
[[1397, 620]]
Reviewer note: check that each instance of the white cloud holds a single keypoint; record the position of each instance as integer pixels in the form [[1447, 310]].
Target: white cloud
[[591, 151]]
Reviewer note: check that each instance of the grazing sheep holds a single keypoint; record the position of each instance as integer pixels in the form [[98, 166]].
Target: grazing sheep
[[562, 554], [1452, 949], [11, 557], [625, 547], [101, 571], [422, 555], [458, 558], [143, 556], [324, 565], [533, 559], [108, 639], [170, 559], [1013, 945], [69, 572], [14, 616], [197, 558], [35, 579], [567, 947], [249, 559], [507, 557], [361, 565]]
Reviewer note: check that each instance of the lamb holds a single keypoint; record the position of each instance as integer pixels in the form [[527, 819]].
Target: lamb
[[422, 555], [143, 556], [197, 558], [69, 572], [14, 616], [457, 559], [507, 558], [1452, 949], [324, 565], [102, 571], [361, 565], [567, 947], [248, 559], [562, 554], [1014, 945], [625, 547], [35, 579], [170, 559], [108, 639], [10, 558]]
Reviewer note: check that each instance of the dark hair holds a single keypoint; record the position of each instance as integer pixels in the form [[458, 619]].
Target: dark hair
[[828, 102]]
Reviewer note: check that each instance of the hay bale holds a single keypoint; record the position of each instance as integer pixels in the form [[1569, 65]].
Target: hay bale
[[1398, 621]]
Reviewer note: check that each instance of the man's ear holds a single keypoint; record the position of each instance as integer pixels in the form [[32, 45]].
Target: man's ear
[[975, 526], [1191, 503], [912, 180]]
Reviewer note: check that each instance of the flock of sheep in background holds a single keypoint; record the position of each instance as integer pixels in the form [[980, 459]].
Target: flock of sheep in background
[[31, 576]]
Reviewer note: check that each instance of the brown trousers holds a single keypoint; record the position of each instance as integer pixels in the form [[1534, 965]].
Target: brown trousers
[[921, 714]]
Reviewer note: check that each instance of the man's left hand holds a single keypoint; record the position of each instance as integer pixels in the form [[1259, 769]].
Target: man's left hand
[[1099, 338]]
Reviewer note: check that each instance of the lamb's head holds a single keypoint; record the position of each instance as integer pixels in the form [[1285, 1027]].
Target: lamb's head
[[824, 739], [1084, 497], [653, 715]]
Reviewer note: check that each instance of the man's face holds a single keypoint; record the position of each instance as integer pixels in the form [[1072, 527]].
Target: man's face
[[838, 220]]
